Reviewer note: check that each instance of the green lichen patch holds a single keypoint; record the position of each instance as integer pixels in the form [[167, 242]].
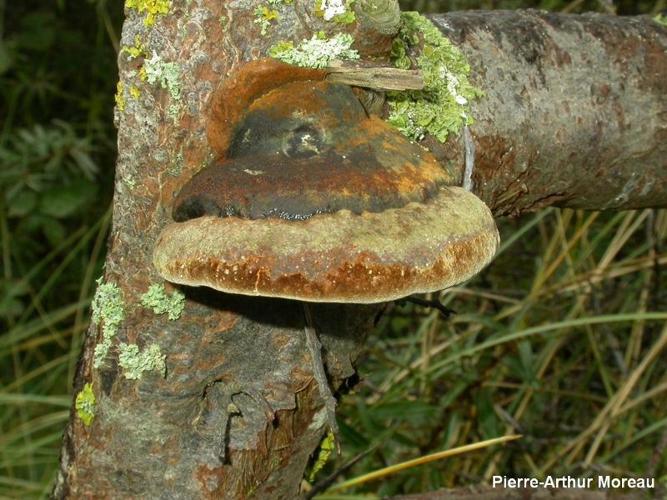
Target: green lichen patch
[[152, 8], [165, 74], [135, 362], [108, 310], [281, 49], [442, 107], [327, 447], [318, 52], [133, 52], [129, 181], [157, 299], [136, 50], [85, 404], [661, 19], [120, 96], [264, 16]]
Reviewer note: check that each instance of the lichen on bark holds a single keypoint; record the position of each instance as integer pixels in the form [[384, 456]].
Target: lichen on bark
[[152, 8], [157, 299], [316, 52], [442, 107], [85, 404], [108, 311]]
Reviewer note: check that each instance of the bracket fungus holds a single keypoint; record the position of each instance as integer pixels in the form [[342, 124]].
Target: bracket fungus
[[313, 199]]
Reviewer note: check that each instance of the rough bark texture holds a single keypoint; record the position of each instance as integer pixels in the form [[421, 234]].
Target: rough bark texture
[[574, 112], [574, 109]]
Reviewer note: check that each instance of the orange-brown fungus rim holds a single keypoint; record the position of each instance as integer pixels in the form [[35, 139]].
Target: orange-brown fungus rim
[[339, 257], [252, 80]]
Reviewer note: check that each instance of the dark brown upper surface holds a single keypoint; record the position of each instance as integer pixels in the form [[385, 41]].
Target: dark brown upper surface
[[308, 148], [254, 79]]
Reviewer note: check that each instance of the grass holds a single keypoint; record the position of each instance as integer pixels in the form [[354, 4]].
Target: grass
[[57, 151], [38, 355], [562, 339]]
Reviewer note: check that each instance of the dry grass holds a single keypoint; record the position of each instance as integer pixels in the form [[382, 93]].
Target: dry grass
[[561, 339]]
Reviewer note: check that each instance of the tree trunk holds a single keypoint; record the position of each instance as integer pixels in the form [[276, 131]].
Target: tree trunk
[[574, 114]]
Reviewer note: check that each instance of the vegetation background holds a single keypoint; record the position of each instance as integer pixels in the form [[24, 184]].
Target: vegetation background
[[557, 340]]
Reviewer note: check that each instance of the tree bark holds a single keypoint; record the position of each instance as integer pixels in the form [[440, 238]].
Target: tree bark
[[574, 114]]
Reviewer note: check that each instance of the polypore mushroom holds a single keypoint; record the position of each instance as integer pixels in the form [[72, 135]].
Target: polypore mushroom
[[317, 201], [314, 200]]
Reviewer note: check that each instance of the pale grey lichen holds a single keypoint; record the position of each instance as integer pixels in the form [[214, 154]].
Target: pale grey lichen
[[165, 74], [108, 311], [338, 11], [135, 362], [129, 181], [332, 8], [177, 164], [318, 52], [157, 299], [173, 111], [319, 420]]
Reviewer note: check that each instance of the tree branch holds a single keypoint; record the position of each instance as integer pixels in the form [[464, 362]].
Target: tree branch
[[574, 112]]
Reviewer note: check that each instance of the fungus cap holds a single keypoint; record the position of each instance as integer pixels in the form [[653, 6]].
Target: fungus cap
[[317, 201], [338, 257]]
